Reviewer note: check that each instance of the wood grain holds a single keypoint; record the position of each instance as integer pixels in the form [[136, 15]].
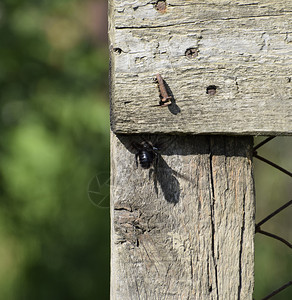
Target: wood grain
[[244, 48], [188, 231]]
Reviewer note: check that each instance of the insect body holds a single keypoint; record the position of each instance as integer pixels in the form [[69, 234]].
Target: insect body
[[147, 154]]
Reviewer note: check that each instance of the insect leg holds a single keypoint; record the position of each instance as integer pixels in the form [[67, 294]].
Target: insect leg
[[136, 158]]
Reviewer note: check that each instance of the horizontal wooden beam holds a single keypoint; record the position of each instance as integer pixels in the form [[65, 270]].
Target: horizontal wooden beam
[[243, 48]]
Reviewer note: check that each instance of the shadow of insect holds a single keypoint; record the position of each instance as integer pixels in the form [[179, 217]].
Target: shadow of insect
[[148, 156]]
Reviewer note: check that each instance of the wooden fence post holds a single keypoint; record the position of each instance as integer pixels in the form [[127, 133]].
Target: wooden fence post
[[192, 238], [184, 228]]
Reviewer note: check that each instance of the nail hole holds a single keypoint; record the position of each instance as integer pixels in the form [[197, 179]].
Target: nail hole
[[211, 89], [118, 50], [191, 52], [160, 6]]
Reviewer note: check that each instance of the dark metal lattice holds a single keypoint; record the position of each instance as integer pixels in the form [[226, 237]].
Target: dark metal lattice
[[266, 219]]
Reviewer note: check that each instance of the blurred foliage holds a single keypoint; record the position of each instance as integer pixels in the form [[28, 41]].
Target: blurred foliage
[[54, 243]]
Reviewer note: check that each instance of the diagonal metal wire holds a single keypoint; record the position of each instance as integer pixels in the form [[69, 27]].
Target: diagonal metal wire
[[275, 292], [272, 164], [255, 154], [263, 142], [259, 230], [274, 236], [273, 214]]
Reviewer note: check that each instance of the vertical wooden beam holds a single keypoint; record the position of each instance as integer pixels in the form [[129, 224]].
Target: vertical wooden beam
[[188, 231]]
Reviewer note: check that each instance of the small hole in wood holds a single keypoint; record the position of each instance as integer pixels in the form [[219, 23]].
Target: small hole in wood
[[191, 52], [161, 6], [211, 89], [118, 50]]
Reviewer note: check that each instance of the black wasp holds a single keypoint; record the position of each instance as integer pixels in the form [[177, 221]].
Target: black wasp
[[147, 154]]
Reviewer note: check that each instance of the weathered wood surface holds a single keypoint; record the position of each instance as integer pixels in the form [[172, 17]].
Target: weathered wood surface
[[188, 232], [244, 48]]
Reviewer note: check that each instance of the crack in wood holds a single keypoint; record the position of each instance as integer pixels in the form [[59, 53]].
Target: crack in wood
[[202, 21], [240, 250], [212, 210]]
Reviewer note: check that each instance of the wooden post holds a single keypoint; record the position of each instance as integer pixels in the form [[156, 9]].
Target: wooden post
[[192, 238], [185, 228]]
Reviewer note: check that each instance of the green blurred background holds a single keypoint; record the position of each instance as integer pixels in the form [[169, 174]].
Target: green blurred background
[[54, 242], [54, 227]]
